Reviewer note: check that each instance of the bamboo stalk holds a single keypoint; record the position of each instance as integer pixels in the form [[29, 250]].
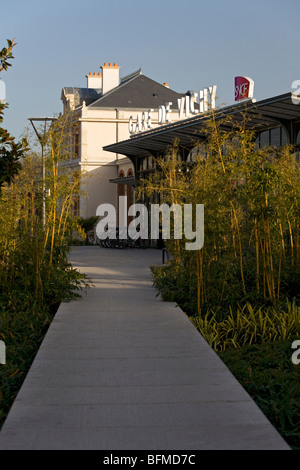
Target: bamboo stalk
[[291, 241], [240, 249], [257, 255]]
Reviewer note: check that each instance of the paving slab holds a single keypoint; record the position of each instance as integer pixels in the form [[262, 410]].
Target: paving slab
[[121, 370]]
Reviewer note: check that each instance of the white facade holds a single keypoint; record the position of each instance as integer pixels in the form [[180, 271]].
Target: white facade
[[102, 122]]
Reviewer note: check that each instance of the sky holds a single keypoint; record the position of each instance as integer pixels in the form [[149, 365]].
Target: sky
[[189, 44]]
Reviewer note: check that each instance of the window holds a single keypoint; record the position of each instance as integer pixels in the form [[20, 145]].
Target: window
[[297, 153], [200, 151], [276, 137], [145, 164], [284, 137], [76, 153], [151, 163], [264, 139]]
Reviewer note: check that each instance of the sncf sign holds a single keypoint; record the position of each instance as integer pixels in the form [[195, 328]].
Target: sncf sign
[[243, 88]]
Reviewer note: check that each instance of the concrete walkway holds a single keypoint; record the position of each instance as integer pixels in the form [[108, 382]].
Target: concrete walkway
[[121, 370]]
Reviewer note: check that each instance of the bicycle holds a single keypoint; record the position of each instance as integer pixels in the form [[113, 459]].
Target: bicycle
[[114, 241]]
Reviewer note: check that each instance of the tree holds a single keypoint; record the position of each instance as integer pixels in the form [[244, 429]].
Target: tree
[[10, 151]]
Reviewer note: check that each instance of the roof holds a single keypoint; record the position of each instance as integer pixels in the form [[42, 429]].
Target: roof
[[264, 114], [139, 92], [89, 95], [135, 91], [131, 75]]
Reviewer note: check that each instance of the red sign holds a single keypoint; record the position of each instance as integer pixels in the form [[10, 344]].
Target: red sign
[[243, 88]]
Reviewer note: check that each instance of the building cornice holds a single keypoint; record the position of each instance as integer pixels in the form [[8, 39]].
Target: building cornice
[[97, 163]]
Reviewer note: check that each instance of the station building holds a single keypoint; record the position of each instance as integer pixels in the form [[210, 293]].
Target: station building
[[125, 124], [104, 112]]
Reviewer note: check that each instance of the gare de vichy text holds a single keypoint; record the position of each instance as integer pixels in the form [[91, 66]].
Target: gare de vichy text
[[205, 100]]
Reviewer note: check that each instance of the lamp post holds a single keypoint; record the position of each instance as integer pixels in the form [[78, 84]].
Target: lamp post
[[41, 138]]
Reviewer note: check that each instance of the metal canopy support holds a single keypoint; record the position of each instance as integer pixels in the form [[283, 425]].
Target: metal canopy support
[[130, 180]]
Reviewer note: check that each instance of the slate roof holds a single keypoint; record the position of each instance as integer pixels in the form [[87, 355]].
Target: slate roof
[[138, 92]]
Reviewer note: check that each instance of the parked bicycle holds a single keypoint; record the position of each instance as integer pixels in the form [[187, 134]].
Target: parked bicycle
[[115, 241]]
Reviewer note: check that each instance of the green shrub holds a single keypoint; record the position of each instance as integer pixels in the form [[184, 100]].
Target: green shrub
[[87, 224], [176, 286], [248, 325], [273, 381]]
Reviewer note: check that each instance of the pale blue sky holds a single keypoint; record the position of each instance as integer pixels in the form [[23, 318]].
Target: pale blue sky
[[189, 44]]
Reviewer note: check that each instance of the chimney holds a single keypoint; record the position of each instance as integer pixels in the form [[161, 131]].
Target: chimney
[[110, 77], [94, 80]]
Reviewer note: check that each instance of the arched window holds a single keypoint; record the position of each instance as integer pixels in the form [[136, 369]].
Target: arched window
[[121, 188], [200, 151], [297, 153], [276, 137], [129, 194], [151, 163]]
